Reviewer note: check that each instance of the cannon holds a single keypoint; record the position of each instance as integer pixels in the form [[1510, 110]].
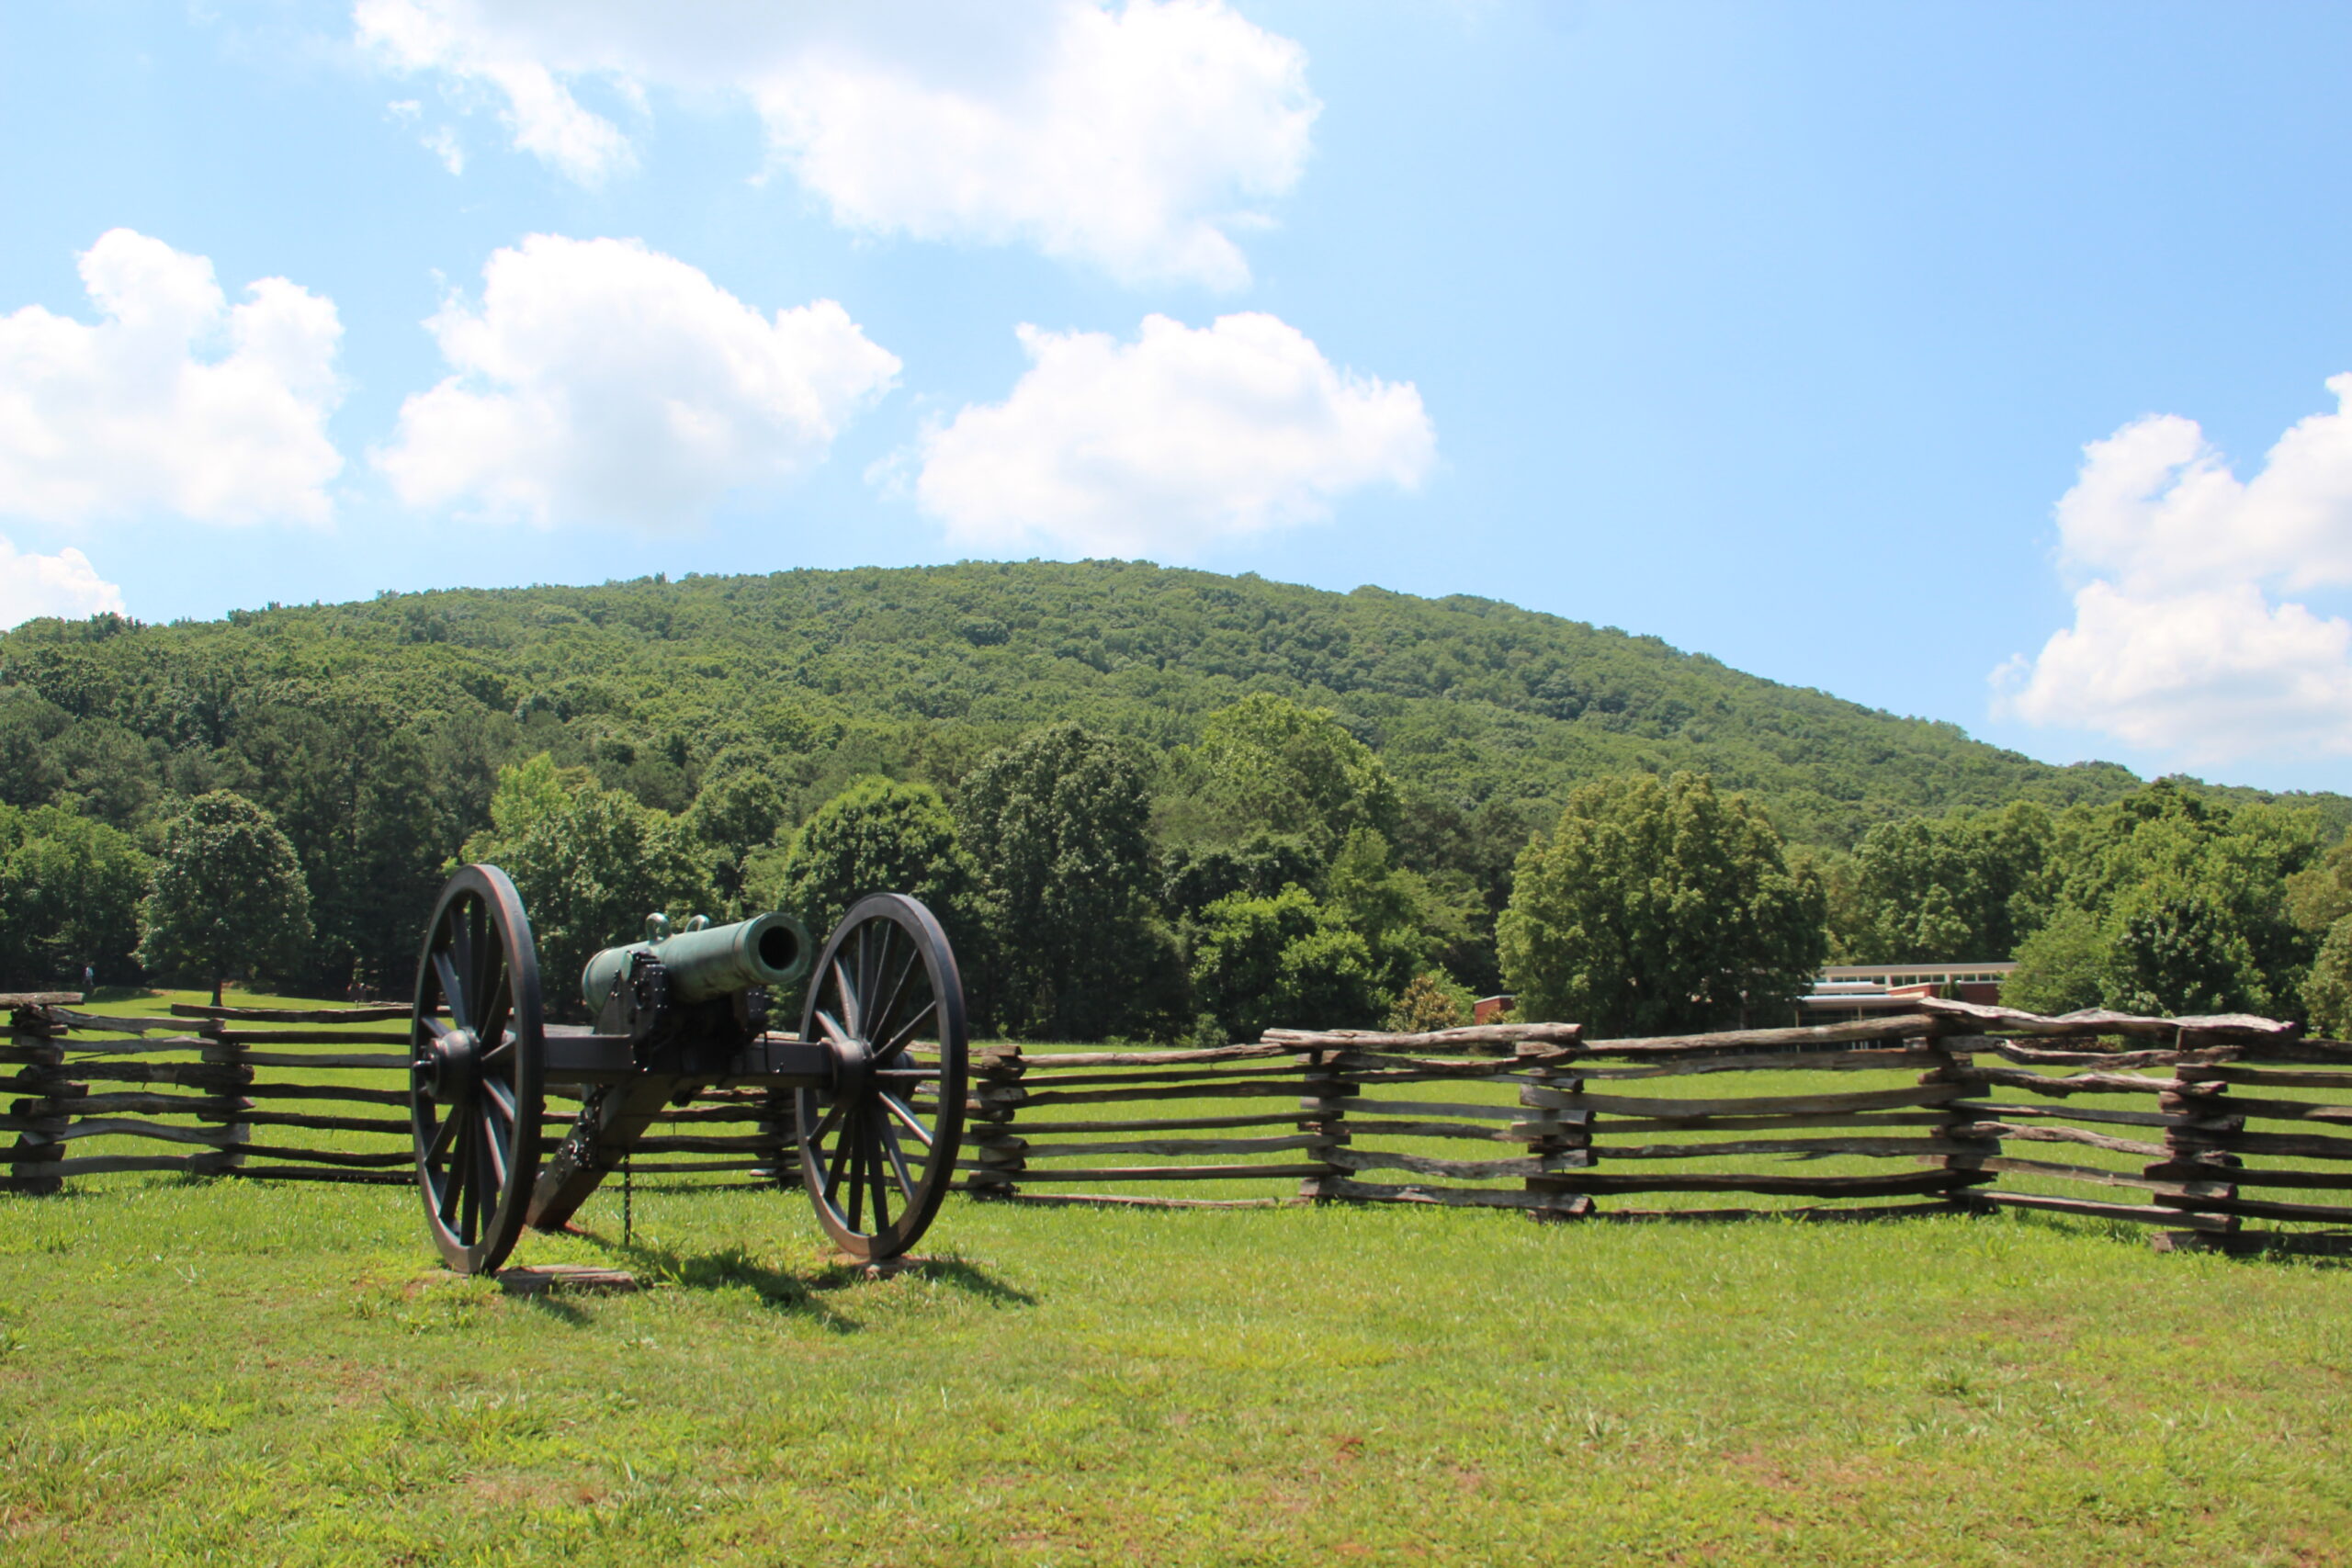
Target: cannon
[[876, 1074]]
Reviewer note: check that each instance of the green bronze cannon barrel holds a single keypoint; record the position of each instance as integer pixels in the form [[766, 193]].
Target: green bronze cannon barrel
[[770, 950]]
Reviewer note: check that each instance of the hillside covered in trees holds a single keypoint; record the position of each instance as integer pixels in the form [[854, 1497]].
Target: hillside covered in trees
[[924, 668], [734, 709]]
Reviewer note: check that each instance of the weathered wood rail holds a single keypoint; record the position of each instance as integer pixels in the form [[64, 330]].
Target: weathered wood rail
[[1953, 1108], [276, 1095], [2197, 1125]]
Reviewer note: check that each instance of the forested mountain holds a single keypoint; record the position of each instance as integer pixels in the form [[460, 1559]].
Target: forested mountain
[[923, 667], [373, 732]]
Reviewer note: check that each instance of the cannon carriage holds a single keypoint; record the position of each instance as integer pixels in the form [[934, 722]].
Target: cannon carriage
[[875, 1073]]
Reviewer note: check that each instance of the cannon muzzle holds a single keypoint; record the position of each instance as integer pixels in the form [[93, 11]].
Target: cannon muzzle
[[767, 951]]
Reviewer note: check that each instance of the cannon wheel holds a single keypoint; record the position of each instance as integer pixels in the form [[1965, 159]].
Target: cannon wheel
[[878, 1150], [477, 1076]]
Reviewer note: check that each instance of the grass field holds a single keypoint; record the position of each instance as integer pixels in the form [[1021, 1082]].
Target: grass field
[[223, 1371]]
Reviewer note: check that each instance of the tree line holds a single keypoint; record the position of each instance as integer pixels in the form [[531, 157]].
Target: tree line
[[1250, 879], [1295, 799], [2166, 901]]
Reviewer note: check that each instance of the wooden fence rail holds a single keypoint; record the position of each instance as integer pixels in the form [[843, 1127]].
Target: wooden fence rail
[[269, 1095], [1951, 1107], [2197, 1125]]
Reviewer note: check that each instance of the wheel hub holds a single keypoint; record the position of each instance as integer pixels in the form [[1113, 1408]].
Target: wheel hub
[[449, 1063], [853, 1067]]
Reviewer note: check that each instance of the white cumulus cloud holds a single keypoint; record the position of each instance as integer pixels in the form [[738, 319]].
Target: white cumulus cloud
[[174, 400], [1136, 137], [64, 584], [1178, 440], [2183, 640], [442, 143], [599, 381], [465, 41]]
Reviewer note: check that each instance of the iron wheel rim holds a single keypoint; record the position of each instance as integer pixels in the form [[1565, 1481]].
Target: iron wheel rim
[[877, 1152], [477, 1080]]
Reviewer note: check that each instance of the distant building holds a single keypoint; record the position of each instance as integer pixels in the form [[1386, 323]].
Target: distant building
[[1486, 1009], [1857, 990]]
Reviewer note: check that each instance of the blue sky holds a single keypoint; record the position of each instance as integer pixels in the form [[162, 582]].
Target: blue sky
[[1934, 355]]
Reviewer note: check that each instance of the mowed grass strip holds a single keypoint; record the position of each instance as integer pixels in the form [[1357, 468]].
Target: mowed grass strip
[[224, 1371]]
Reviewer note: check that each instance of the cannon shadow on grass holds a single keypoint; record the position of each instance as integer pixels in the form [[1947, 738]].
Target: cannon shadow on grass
[[734, 1266], [960, 1273]]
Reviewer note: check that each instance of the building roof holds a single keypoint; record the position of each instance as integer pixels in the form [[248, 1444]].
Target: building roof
[[1863, 1001], [1988, 969]]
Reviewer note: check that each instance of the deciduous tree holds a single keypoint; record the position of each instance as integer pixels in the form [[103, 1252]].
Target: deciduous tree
[[70, 890], [1432, 1001], [1406, 923], [2168, 902], [1283, 961], [1654, 908], [589, 863], [1271, 764], [1950, 890], [741, 807], [2327, 992], [877, 836], [1057, 826], [2060, 967], [228, 894]]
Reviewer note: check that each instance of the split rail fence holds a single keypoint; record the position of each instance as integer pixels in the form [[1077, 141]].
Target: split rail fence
[[2201, 1124], [273, 1094], [2198, 1123]]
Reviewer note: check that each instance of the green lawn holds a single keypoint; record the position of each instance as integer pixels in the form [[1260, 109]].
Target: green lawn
[[228, 1373]]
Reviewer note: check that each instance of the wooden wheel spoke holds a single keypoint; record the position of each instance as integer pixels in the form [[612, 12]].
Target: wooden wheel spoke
[[453, 1183], [840, 1163], [493, 1153], [905, 1114], [832, 1027], [890, 1006], [441, 1136], [476, 957], [501, 1098], [872, 1143], [498, 1006], [899, 1042], [824, 1128], [854, 1147], [488, 969], [470, 1211], [460, 946], [444, 967], [899, 1162], [848, 1000], [868, 964]]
